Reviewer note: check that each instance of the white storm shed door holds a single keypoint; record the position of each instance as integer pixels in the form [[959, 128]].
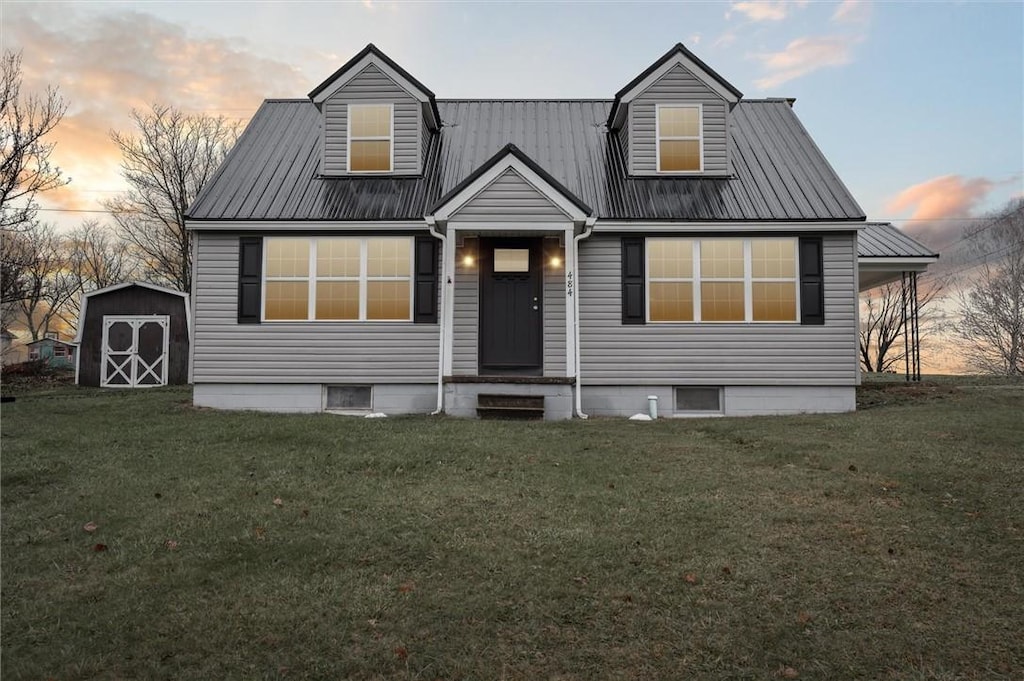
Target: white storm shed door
[[135, 351]]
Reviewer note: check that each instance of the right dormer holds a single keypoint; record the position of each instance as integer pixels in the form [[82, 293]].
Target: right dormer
[[673, 119]]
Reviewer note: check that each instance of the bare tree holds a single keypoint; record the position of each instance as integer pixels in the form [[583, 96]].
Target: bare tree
[[15, 256], [96, 258], [166, 163], [49, 285], [25, 166], [883, 319], [990, 329]]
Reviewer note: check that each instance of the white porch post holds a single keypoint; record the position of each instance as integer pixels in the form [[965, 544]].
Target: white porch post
[[448, 311], [570, 310]]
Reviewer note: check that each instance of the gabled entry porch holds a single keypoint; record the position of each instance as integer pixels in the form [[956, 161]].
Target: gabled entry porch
[[508, 310]]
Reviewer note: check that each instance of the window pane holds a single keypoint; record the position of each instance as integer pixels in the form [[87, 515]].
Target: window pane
[[721, 259], [371, 121], [287, 257], [671, 301], [774, 301], [511, 260], [337, 300], [287, 300], [698, 399], [337, 257], [370, 155], [679, 155], [773, 258], [670, 258], [721, 302], [387, 300], [388, 258], [678, 121]]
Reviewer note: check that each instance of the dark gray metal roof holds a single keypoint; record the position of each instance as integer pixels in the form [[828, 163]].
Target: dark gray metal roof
[[883, 240], [273, 171]]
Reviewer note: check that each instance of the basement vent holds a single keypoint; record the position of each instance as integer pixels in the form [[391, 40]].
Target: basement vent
[[349, 397], [708, 400]]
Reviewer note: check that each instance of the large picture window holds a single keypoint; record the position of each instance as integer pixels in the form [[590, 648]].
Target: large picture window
[[338, 279], [680, 143], [722, 280], [370, 138]]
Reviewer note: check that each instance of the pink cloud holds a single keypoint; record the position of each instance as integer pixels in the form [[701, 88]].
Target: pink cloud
[[803, 56], [763, 10], [940, 198], [852, 11]]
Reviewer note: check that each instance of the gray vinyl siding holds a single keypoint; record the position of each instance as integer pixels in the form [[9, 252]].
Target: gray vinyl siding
[[677, 86], [554, 320], [300, 352], [466, 319], [373, 86], [465, 316], [509, 198], [715, 354]]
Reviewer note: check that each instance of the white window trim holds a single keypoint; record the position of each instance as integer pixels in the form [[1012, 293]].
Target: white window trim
[[390, 138], [312, 280], [748, 280], [658, 138]]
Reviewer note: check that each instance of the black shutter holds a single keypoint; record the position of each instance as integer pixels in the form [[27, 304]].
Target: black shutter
[[425, 287], [250, 264], [633, 305], [812, 281]]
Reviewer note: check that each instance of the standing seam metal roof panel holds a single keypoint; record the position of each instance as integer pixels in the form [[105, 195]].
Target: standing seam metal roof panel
[[779, 174]]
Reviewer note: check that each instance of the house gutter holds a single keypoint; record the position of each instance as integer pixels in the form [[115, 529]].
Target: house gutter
[[432, 224], [587, 231]]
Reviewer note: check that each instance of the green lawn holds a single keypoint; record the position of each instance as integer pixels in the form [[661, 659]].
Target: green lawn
[[886, 544]]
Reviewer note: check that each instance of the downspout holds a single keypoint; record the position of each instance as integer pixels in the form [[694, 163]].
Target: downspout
[[432, 224], [588, 229]]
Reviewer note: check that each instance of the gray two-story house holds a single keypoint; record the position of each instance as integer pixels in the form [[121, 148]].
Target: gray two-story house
[[371, 247]]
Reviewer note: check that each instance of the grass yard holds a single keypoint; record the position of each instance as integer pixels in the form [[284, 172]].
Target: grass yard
[[886, 544]]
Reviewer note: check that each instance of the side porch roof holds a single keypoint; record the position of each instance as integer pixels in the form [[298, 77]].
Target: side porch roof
[[884, 253]]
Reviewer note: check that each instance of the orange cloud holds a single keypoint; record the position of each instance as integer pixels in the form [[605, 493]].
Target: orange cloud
[[803, 56], [106, 64]]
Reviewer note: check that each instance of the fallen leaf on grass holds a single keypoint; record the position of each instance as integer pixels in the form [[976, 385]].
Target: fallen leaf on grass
[[788, 673], [691, 578], [259, 533], [406, 587], [90, 527], [580, 580], [305, 513], [726, 570], [99, 547], [804, 617], [170, 545], [278, 502], [401, 653]]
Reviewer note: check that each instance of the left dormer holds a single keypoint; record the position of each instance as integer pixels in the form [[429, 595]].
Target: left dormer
[[376, 118]]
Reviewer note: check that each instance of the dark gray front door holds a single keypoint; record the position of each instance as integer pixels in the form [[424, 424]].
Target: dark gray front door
[[511, 310]]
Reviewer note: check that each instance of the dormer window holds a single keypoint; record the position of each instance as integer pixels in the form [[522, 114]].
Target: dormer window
[[680, 142], [370, 138]]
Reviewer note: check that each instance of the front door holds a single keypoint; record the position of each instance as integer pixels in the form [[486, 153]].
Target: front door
[[511, 310]]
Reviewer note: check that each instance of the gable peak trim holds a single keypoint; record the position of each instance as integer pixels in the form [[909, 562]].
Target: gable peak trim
[[681, 56], [371, 54], [510, 157]]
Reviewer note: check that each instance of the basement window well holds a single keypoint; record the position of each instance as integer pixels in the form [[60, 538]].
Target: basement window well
[[349, 398]]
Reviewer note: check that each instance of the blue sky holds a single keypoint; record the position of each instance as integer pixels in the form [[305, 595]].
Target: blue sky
[[918, 106]]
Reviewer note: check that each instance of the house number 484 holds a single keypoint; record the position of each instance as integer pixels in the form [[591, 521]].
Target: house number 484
[[568, 283]]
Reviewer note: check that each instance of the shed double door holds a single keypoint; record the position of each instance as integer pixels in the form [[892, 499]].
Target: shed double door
[[134, 351]]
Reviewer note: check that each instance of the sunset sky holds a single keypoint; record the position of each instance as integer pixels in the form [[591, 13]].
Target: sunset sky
[[917, 105]]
